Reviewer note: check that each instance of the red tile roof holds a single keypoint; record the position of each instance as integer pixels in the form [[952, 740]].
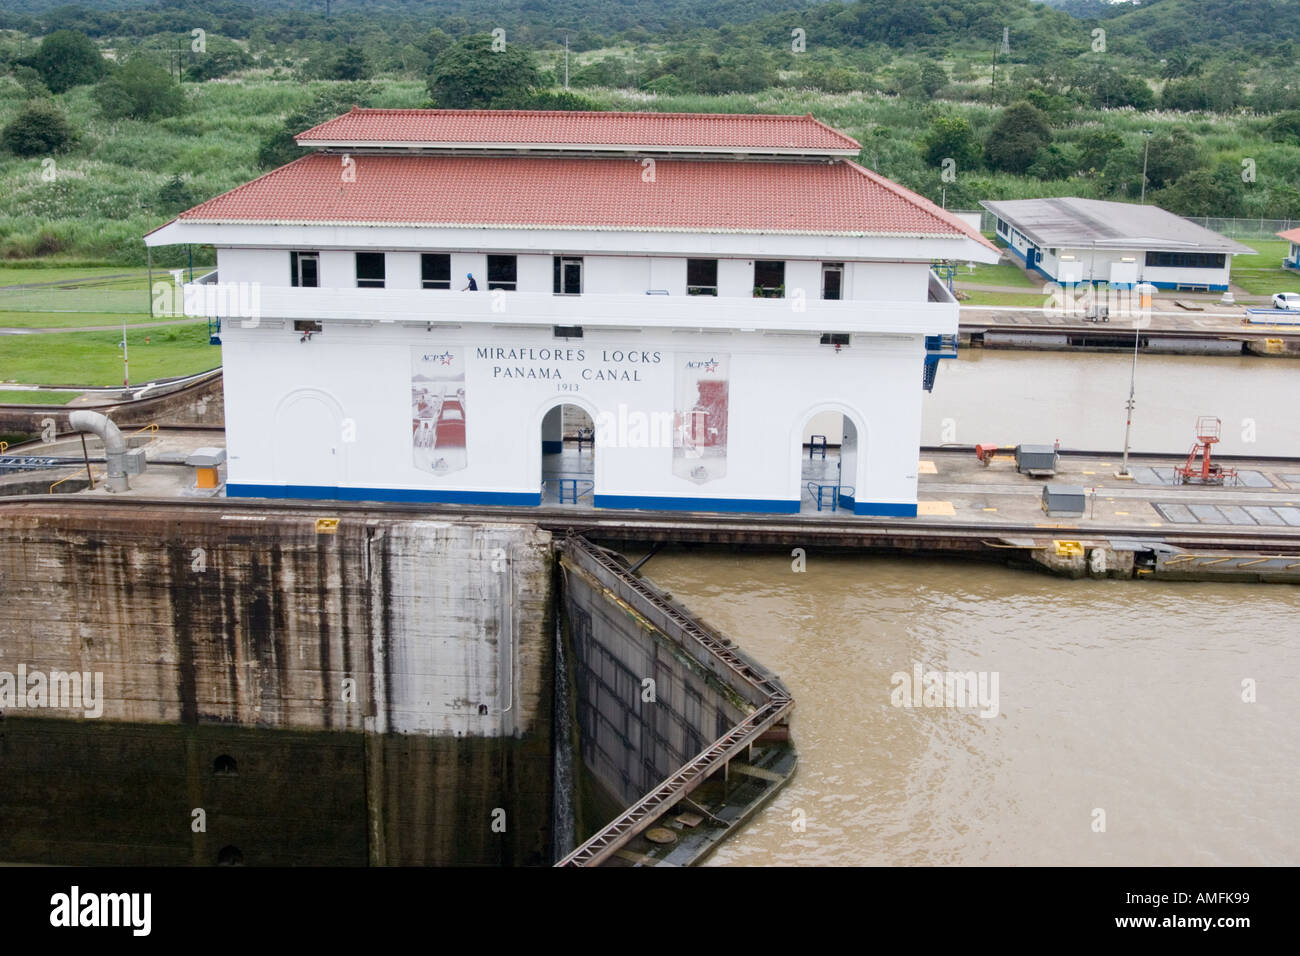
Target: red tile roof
[[588, 193], [683, 131], [1291, 235]]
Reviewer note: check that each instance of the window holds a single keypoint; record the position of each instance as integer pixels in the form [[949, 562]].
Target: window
[[304, 269], [1185, 260], [769, 279], [832, 280], [568, 276], [306, 325], [435, 270], [701, 276], [502, 272], [568, 331], [837, 339], [370, 270], [1002, 226]]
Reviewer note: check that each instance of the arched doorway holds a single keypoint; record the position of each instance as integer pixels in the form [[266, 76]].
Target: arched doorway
[[829, 457], [309, 440], [568, 472]]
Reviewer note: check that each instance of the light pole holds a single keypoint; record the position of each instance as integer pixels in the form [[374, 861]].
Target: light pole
[[1145, 150], [126, 374], [1132, 381]]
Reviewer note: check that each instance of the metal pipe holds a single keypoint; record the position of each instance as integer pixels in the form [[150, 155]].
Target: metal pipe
[[114, 445]]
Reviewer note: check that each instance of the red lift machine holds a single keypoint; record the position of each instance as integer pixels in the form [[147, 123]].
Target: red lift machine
[[1206, 471]]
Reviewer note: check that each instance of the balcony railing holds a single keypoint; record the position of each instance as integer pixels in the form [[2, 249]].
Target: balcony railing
[[252, 302]]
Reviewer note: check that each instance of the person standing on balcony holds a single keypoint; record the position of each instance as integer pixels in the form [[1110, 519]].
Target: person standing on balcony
[[473, 286]]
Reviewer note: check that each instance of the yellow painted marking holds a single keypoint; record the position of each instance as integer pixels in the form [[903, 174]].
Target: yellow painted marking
[[327, 525], [937, 509], [1089, 472], [924, 467], [990, 509], [1046, 524], [1125, 513], [1068, 548], [1155, 524]]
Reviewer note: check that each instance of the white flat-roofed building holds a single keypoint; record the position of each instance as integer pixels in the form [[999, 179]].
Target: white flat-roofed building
[[1091, 240], [701, 287]]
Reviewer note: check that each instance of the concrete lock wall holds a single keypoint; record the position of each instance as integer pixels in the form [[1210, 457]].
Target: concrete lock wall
[[419, 653], [633, 734]]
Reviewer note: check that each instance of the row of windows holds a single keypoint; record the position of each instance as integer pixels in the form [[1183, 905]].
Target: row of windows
[[1186, 260], [502, 273]]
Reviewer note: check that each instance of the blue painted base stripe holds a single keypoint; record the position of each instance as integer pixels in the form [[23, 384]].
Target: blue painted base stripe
[[644, 503], [425, 495], [885, 509]]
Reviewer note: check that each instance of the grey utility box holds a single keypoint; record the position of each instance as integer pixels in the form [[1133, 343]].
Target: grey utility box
[[1036, 460], [133, 461], [1063, 501]]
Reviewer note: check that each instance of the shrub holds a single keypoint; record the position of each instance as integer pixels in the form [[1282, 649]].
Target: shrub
[[67, 59], [39, 130]]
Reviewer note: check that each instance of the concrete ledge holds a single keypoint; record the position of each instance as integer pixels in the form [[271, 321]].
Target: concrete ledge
[[644, 503]]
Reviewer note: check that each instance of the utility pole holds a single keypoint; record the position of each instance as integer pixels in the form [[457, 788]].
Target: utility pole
[[126, 373], [1145, 150]]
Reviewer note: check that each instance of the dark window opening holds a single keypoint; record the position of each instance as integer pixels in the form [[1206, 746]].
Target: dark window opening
[[230, 856], [225, 766], [701, 276], [832, 280], [502, 272], [769, 279], [435, 270], [1185, 260], [838, 339], [482, 710], [304, 269], [567, 276], [306, 325], [370, 270], [568, 331]]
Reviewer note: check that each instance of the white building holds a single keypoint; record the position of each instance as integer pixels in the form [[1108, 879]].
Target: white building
[[1119, 243], [1292, 260], [702, 286]]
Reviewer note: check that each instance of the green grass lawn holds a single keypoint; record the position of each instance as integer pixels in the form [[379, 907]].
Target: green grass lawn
[[37, 272], [36, 398], [1028, 300], [75, 320], [1262, 273], [93, 358], [993, 275]]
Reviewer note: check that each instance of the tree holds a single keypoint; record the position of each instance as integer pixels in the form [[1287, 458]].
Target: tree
[[1055, 161], [471, 74], [951, 137], [175, 196], [1096, 147], [933, 77], [349, 65], [1171, 156], [67, 59], [1016, 138], [140, 89], [547, 100], [1284, 127], [40, 129]]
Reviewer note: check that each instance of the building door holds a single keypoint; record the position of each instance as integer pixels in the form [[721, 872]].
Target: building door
[[308, 442], [568, 275]]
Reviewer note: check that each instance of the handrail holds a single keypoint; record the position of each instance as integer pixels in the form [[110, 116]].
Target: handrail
[[75, 474], [151, 428]]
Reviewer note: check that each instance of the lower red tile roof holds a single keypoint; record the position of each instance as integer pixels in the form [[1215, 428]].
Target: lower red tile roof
[[827, 198], [1291, 235]]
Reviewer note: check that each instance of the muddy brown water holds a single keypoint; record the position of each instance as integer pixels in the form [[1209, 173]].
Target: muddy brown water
[[1115, 696]]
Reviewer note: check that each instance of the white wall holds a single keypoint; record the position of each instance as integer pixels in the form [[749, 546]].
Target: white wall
[[362, 375]]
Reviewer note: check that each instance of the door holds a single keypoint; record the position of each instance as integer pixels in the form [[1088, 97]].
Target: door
[[832, 280], [308, 442]]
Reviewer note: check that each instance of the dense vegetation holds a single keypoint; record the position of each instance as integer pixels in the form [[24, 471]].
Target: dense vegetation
[[116, 115]]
